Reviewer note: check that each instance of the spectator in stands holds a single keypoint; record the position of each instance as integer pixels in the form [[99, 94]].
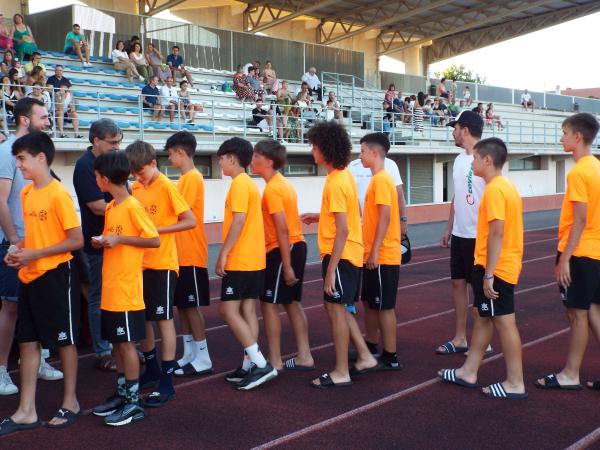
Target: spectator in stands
[[9, 96], [304, 92], [479, 110], [255, 63], [34, 61], [336, 106], [22, 76], [76, 44], [406, 116], [453, 107], [284, 100], [169, 98], [129, 44], [313, 82], [294, 130], [65, 109], [15, 81], [467, 96], [441, 90], [270, 78], [526, 100], [490, 117], [7, 62], [427, 110], [391, 93], [138, 59], [241, 85], [187, 109], [418, 112], [121, 61], [155, 61], [55, 80], [261, 117], [438, 113], [257, 87], [23, 39], [453, 88], [151, 99], [37, 75], [6, 42], [40, 94], [461, 106], [175, 63]]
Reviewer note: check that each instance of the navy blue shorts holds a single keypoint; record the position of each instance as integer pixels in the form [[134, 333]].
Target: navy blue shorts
[[9, 281]]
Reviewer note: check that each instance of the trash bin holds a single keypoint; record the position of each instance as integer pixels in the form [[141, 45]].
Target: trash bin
[[432, 89], [576, 107]]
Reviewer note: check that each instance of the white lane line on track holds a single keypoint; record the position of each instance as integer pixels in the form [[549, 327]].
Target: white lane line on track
[[586, 441], [384, 400]]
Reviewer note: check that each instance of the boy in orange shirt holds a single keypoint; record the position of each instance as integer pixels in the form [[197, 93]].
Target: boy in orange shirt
[[192, 288], [48, 308], [381, 235], [577, 269], [498, 256], [341, 248], [170, 214], [286, 256], [127, 231], [241, 263]]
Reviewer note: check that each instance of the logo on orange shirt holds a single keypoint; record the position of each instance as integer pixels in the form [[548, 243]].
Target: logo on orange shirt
[[151, 209]]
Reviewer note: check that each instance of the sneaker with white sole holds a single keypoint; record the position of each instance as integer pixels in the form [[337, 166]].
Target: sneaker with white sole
[[7, 387], [49, 373], [129, 412], [257, 376]]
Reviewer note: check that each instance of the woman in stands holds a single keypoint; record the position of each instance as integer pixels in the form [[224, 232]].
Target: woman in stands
[[37, 75], [7, 62], [490, 117], [22, 37], [6, 42], [38, 92], [270, 78], [418, 112], [9, 97], [294, 126], [241, 85], [155, 61], [187, 108], [15, 82], [121, 61], [138, 59]]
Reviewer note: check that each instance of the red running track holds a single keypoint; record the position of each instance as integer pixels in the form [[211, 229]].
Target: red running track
[[409, 409]]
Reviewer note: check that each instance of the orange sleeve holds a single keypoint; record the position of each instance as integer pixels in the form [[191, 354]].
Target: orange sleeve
[[65, 211], [177, 201], [577, 189], [495, 205], [382, 193], [337, 198], [274, 201], [141, 221], [240, 198]]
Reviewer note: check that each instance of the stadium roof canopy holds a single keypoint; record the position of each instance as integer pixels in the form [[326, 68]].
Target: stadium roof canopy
[[444, 27]]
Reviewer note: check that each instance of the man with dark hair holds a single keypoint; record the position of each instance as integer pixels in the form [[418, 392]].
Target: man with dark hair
[[76, 44], [498, 261], [151, 99], [30, 115], [105, 136], [577, 268], [175, 63], [128, 45], [35, 61], [461, 230]]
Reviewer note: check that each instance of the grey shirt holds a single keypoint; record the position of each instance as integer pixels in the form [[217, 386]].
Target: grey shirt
[[9, 171]]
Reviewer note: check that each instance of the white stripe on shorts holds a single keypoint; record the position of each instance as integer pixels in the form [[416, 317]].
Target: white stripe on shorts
[[168, 286], [127, 326], [70, 312], [196, 287]]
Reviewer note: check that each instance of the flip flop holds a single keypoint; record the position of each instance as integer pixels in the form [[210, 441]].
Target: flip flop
[[290, 364], [64, 413], [354, 371], [595, 385], [450, 349], [327, 382], [497, 391], [156, 399], [9, 426], [551, 382], [449, 376], [189, 370]]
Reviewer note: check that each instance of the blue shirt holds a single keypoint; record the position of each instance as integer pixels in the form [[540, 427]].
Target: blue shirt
[[152, 93], [176, 61], [88, 191], [9, 171]]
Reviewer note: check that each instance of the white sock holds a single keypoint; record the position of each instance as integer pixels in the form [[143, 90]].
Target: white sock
[[45, 353], [201, 359], [246, 362], [256, 356], [188, 350]]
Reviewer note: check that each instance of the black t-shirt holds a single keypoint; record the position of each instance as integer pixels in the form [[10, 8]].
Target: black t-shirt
[[88, 191], [55, 82]]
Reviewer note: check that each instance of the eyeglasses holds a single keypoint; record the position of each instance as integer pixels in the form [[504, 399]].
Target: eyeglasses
[[116, 142]]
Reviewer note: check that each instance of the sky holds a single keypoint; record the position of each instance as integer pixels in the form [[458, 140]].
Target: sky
[[537, 61]]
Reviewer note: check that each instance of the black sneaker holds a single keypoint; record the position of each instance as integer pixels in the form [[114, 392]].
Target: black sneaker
[[257, 376], [129, 412], [111, 405], [237, 375]]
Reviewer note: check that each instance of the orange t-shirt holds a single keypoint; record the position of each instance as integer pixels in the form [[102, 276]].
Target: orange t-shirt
[[122, 265], [501, 201], [192, 248], [248, 253], [48, 213], [163, 203], [382, 191], [279, 196], [340, 196], [583, 185]]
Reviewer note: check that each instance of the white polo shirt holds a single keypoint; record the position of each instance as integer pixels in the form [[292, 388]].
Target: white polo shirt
[[468, 190], [362, 176]]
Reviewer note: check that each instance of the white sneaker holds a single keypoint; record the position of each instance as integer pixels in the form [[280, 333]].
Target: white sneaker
[[141, 78], [48, 373], [7, 387]]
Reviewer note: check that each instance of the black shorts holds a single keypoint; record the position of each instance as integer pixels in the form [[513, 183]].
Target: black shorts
[[380, 286], [9, 280], [585, 283], [242, 285], [123, 326], [502, 306], [347, 282], [159, 290], [48, 308], [275, 290], [462, 258], [192, 288]]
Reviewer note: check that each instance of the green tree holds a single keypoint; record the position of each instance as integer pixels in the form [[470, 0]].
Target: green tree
[[460, 73]]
